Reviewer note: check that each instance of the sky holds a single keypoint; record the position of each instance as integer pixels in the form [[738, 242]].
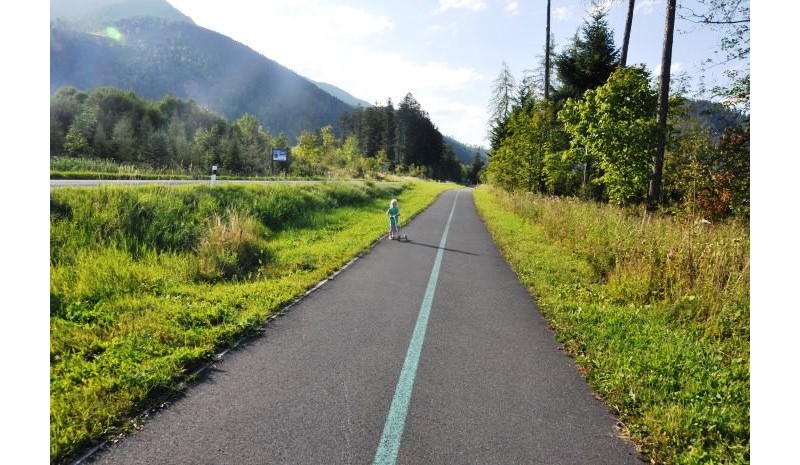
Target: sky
[[446, 53]]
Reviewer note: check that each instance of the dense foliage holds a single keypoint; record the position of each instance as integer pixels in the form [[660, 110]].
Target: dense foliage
[[176, 135], [598, 136], [614, 126]]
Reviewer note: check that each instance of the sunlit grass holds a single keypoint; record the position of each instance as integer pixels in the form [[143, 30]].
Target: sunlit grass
[[148, 282], [654, 310]]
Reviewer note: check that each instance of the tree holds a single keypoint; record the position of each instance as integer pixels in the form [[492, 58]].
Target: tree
[[533, 80], [706, 175], [547, 56], [123, 139], [500, 104], [732, 18], [252, 142], [627, 37], [208, 143], [473, 175], [65, 104], [389, 132], [80, 135], [654, 192], [588, 60], [533, 135], [615, 125]]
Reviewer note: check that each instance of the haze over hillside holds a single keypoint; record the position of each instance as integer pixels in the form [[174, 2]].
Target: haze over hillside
[[88, 15], [154, 50]]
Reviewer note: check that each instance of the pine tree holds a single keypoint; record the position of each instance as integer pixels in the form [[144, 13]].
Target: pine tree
[[588, 60], [501, 104]]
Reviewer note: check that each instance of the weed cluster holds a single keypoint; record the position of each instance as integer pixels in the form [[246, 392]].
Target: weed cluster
[[233, 248]]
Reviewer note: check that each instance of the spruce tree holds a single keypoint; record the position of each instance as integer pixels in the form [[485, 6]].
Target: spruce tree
[[588, 61]]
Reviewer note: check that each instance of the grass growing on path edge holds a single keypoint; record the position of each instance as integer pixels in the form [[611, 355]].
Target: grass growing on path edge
[[655, 314], [147, 283]]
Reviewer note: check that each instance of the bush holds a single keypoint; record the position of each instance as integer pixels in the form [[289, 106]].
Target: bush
[[233, 247]]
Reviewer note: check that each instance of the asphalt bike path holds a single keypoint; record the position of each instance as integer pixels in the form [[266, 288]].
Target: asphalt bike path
[[421, 352]]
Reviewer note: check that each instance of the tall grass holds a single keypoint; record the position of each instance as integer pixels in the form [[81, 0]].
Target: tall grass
[[655, 311], [94, 165], [148, 282], [91, 168]]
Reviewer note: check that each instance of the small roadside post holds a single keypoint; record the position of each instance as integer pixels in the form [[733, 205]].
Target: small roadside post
[[213, 174]]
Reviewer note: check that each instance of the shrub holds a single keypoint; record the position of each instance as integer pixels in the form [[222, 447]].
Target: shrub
[[234, 247]]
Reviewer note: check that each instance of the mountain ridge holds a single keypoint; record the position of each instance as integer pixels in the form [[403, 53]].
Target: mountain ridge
[[342, 95], [155, 57], [155, 50]]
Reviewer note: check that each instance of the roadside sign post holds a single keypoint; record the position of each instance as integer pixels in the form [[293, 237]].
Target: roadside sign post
[[280, 155], [213, 175]]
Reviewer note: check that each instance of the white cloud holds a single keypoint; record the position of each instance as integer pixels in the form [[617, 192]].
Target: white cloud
[[562, 13], [391, 75], [451, 29], [603, 5], [646, 7], [376, 75], [512, 7], [675, 68], [466, 123], [288, 21], [342, 20], [473, 5]]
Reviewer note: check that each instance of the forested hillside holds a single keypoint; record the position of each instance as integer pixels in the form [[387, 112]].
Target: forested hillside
[[342, 95], [93, 15], [155, 57]]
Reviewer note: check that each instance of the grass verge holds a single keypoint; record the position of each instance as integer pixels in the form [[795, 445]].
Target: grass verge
[[147, 283], [655, 313]]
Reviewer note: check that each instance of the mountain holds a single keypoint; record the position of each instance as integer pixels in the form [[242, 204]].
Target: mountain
[[715, 116], [465, 153], [155, 56], [89, 15], [342, 95], [154, 50]]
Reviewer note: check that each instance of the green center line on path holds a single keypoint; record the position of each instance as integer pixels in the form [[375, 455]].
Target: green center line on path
[[396, 419]]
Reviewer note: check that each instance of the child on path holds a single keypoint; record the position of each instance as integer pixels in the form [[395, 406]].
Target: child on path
[[393, 212]]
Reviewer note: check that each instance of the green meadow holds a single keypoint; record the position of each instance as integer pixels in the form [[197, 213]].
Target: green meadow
[[149, 283], [654, 310]]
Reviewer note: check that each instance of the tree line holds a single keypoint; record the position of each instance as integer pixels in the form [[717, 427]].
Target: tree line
[[406, 139], [113, 124], [594, 130]]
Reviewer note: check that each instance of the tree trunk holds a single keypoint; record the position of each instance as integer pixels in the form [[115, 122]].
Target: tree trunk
[[654, 193], [627, 39], [547, 57]]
